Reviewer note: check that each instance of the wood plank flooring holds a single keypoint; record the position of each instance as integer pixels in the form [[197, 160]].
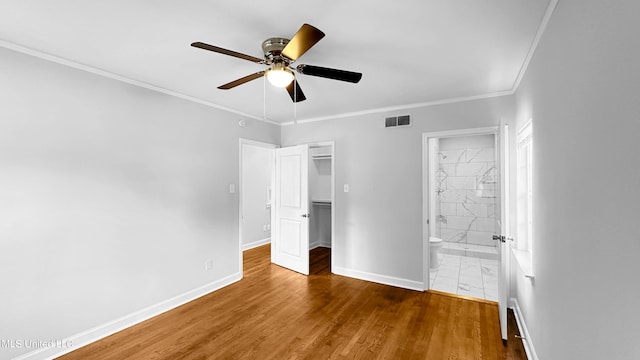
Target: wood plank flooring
[[274, 313]]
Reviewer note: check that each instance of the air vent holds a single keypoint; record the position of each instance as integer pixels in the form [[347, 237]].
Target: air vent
[[395, 121]]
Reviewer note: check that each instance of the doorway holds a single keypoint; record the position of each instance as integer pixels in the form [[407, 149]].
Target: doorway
[[465, 207], [464, 215], [255, 184], [257, 204], [303, 210]]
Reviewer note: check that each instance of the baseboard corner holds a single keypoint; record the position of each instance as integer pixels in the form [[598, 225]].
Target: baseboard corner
[[380, 279]]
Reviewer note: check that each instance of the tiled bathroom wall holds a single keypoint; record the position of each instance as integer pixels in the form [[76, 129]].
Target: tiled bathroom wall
[[467, 195]]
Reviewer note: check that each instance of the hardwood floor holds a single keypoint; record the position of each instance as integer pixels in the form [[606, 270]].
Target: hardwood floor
[[274, 313]]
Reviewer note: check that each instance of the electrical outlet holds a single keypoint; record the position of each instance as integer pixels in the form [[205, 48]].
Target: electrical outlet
[[264, 227], [208, 264]]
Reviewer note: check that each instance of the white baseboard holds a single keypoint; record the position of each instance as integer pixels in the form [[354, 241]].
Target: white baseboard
[[380, 279], [99, 332], [318, 244], [256, 244], [524, 332]]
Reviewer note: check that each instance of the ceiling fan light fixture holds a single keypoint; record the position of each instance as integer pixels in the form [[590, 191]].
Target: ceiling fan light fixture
[[279, 75]]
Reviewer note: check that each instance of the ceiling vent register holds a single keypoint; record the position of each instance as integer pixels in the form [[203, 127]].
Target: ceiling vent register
[[396, 121]]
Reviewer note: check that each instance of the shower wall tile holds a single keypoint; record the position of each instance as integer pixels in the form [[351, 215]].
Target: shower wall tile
[[484, 198], [479, 155], [447, 170], [461, 182], [453, 235], [480, 238], [452, 156], [470, 169], [491, 210], [467, 179], [456, 196], [468, 209], [461, 222], [490, 174], [486, 224], [447, 208]]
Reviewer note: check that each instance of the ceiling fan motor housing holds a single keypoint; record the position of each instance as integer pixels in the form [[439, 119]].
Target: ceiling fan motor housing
[[272, 49]]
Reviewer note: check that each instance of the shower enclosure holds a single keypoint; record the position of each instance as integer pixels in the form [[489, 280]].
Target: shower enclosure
[[466, 195]]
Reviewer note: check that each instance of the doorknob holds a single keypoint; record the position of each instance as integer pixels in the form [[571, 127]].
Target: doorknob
[[501, 238], [306, 215]]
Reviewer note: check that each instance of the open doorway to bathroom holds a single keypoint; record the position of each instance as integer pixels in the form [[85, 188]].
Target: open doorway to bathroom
[[464, 213]]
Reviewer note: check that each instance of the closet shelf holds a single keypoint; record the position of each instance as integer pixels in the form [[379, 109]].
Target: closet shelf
[[321, 156], [320, 202]]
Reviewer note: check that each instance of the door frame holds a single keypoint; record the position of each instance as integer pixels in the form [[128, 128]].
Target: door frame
[[332, 144], [426, 199], [311, 145], [242, 142]]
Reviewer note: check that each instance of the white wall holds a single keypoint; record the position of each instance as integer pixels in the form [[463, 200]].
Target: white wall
[[257, 168], [582, 90], [111, 198], [378, 225]]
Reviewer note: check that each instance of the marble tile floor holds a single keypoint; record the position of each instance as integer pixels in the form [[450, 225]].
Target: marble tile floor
[[466, 275]]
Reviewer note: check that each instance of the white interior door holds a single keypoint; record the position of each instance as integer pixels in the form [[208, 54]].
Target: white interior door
[[504, 236], [290, 242]]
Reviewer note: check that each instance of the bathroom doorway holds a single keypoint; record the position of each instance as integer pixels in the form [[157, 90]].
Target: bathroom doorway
[[466, 214]]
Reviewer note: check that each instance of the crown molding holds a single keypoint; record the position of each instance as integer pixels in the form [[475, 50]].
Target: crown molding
[[401, 107], [110, 75], [553, 4], [532, 48]]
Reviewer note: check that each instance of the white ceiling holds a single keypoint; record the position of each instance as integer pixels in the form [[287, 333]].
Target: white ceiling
[[410, 52]]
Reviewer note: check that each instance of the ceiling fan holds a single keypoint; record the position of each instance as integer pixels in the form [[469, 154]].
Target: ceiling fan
[[279, 55]]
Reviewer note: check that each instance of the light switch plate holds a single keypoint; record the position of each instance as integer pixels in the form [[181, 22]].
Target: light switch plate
[[346, 187], [232, 188]]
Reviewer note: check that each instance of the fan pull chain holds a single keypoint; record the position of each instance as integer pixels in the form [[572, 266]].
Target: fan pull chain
[[295, 101], [264, 98]]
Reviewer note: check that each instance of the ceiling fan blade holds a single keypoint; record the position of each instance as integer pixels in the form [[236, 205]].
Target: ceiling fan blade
[[329, 73], [295, 91], [241, 80], [303, 40], [227, 52]]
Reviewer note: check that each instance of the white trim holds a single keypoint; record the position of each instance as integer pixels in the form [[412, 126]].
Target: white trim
[[256, 244], [534, 44], [401, 107], [99, 332], [110, 75], [380, 279], [319, 244], [524, 332]]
